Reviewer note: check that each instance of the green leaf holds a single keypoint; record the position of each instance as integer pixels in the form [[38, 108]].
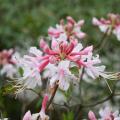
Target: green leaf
[[21, 71], [74, 70], [39, 103], [68, 116]]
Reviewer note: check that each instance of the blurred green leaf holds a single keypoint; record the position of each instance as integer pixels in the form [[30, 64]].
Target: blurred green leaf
[[68, 116], [21, 71], [74, 70]]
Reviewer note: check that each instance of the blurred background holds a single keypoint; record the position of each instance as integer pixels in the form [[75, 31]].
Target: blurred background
[[23, 22]]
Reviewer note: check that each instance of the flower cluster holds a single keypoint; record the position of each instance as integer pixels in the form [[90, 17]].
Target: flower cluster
[[110, 25], [56, 59], [105, 114]]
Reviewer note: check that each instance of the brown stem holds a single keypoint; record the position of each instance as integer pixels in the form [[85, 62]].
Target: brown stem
[[52, 96], [98, 102]]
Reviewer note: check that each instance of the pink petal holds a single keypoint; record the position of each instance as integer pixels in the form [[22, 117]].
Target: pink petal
[[95, 21], [70, 20], [70, 48], [87, 50], [53, 32], [80, 23], [46, 48], [43, 65], [54, 44], [80, 35], [43, 44]]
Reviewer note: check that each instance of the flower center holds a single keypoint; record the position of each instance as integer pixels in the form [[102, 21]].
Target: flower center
[[62, 56]]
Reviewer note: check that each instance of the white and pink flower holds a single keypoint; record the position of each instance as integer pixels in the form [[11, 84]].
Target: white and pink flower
[[105, 114], [8, 65], [64, 32], [110, 25], [108, 114], [31, 65]]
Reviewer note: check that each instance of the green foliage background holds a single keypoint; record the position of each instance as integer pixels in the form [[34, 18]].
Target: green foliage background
[[22, 22]]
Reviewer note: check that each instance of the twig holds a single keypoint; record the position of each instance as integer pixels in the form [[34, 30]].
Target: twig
[[101, 101]]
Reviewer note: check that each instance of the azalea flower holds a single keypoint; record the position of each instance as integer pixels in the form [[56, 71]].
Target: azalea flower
[[110, 25], [107, 114], [30, 65], [63, 32], [5, 56], [35, 63], [8, 65]]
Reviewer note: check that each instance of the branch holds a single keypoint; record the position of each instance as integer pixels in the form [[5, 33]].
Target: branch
[[101, 101]]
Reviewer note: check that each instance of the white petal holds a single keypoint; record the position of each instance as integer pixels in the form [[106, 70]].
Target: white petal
[[90, 73], [53, 80], [103, 28], [64, 64], [63, 37], [35, 51], [64, 84], [95, 21], [78, 47], [117, 32]]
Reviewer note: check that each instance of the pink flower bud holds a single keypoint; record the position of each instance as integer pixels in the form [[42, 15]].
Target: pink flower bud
[[91, 116]]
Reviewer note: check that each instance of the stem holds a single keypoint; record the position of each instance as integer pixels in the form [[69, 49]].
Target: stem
[[76, 116], [82, 73], [101, 101], [102, 42], [52, 96]]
